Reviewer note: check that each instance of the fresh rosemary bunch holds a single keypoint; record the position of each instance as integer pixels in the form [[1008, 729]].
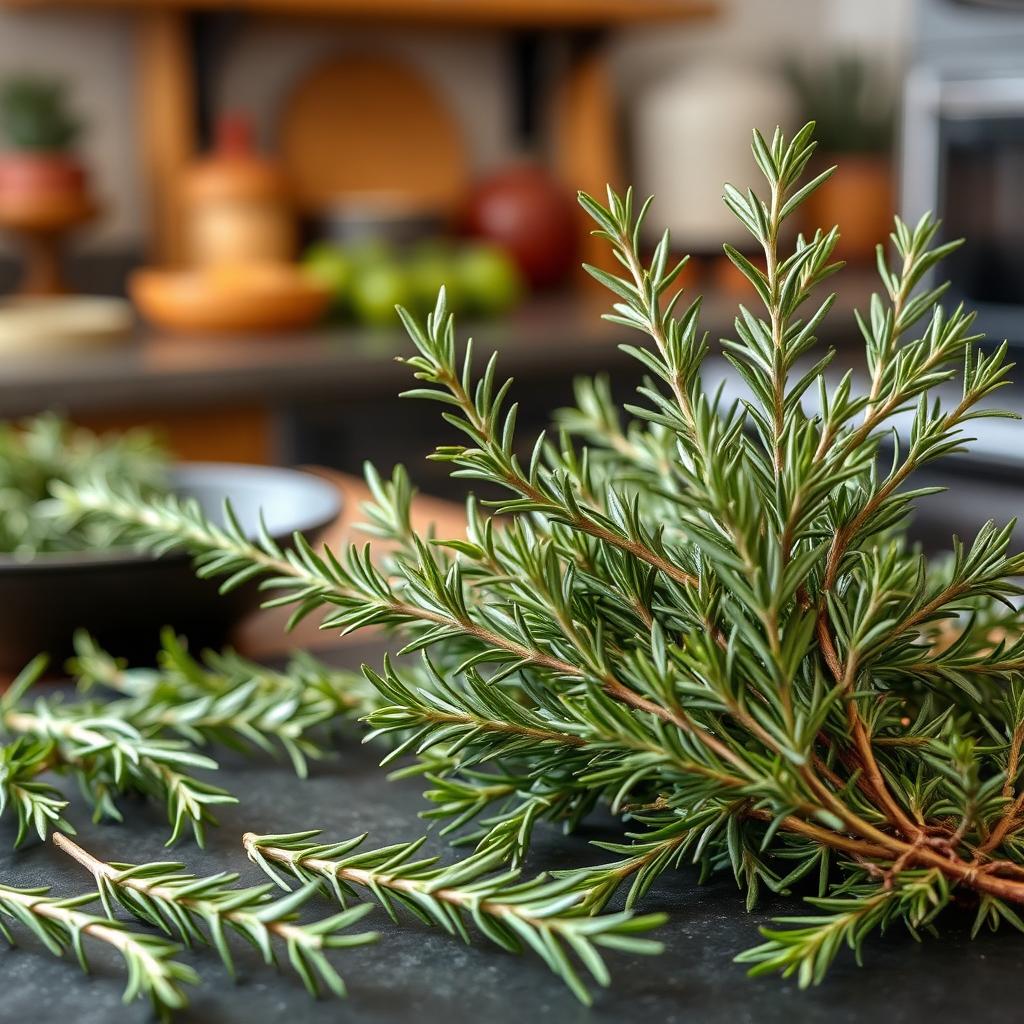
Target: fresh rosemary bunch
[[707, 618], [205, 909]]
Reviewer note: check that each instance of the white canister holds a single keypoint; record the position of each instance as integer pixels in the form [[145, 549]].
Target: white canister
[[691, 135]]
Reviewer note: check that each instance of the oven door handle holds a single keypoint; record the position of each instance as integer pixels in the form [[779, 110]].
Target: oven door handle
[[928, 99], [984, 97]]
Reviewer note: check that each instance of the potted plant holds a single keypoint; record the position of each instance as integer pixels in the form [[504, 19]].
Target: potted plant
[[37, 165], [851, 102]]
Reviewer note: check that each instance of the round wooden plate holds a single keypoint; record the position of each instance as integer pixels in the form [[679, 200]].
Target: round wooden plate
[[370, 124], [46, 325]]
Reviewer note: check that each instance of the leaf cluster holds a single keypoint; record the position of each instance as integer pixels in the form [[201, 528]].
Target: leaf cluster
[[148, 736], [45, 450]]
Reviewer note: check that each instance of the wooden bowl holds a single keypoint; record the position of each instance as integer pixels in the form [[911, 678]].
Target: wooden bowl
[[254, 298]]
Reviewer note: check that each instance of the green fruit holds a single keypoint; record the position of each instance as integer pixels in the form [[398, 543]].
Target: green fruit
[[490, 281], [376, 290], [365, 252], [427, 274], [330, 266]]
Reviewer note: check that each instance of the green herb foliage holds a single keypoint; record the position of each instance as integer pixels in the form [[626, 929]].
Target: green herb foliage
[[148, 738], [61, 924], [547, 915], [46, 449], [34, 114], [851, 99], [705, 616], [208, 909]]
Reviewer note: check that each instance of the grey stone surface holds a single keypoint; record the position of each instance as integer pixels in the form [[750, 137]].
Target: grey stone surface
[[418, 975]]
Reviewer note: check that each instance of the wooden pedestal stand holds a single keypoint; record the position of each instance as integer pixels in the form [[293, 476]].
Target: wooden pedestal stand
[[40, 223]]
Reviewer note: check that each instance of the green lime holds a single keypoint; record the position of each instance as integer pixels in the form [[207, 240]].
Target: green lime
[[376, 290], [365, 252], [332, 267], [428, 272], [490, 282]]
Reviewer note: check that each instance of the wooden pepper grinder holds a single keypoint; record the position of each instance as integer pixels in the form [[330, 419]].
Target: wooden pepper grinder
[[237, 203]]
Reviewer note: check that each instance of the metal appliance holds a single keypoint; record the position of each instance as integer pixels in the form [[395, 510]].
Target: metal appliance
[[963, 148]]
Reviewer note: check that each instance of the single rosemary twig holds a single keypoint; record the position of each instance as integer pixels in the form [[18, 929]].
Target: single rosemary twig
[[165, 895]]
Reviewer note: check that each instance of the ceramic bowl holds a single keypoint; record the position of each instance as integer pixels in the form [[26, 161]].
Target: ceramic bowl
[[125, 596]]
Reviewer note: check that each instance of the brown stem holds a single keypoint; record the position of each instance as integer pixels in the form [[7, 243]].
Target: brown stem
[[1013, 760], [835, 840], [100, 869], [861, 740], [1006, 824]]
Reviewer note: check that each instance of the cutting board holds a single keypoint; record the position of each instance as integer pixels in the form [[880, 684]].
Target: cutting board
[[362, 124]]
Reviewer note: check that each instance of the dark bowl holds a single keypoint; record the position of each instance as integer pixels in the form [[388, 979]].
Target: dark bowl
[[124, 597]]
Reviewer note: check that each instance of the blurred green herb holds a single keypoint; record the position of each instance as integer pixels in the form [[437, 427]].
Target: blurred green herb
[[45, 450], [851, 99], [147, 739]]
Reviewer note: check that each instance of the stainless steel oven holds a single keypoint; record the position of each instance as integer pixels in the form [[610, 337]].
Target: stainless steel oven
[[963, 148]]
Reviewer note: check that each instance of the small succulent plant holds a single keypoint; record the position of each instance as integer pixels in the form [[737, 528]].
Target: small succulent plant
[[34, 114]]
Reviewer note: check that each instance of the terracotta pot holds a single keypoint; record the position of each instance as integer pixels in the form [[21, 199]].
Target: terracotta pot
[[38, 175], [860, 198]]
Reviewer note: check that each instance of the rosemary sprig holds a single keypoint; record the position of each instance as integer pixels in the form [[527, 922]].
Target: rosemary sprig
[[60, 925], [145, 739], [108, 755], [225, 700], [541, 914], [38, 806], [180, 677], [205, 909]]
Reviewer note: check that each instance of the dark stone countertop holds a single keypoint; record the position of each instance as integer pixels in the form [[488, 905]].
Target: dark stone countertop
[[415, 974]]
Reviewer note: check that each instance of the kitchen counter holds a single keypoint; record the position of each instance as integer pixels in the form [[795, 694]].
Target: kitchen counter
[[543, 338], [416, 975]]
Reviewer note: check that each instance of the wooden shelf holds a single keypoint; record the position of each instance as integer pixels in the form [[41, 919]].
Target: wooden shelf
[[583, 100], [523, 13]]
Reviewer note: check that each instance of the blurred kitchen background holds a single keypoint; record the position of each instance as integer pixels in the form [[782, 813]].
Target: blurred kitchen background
[[213, 205]]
